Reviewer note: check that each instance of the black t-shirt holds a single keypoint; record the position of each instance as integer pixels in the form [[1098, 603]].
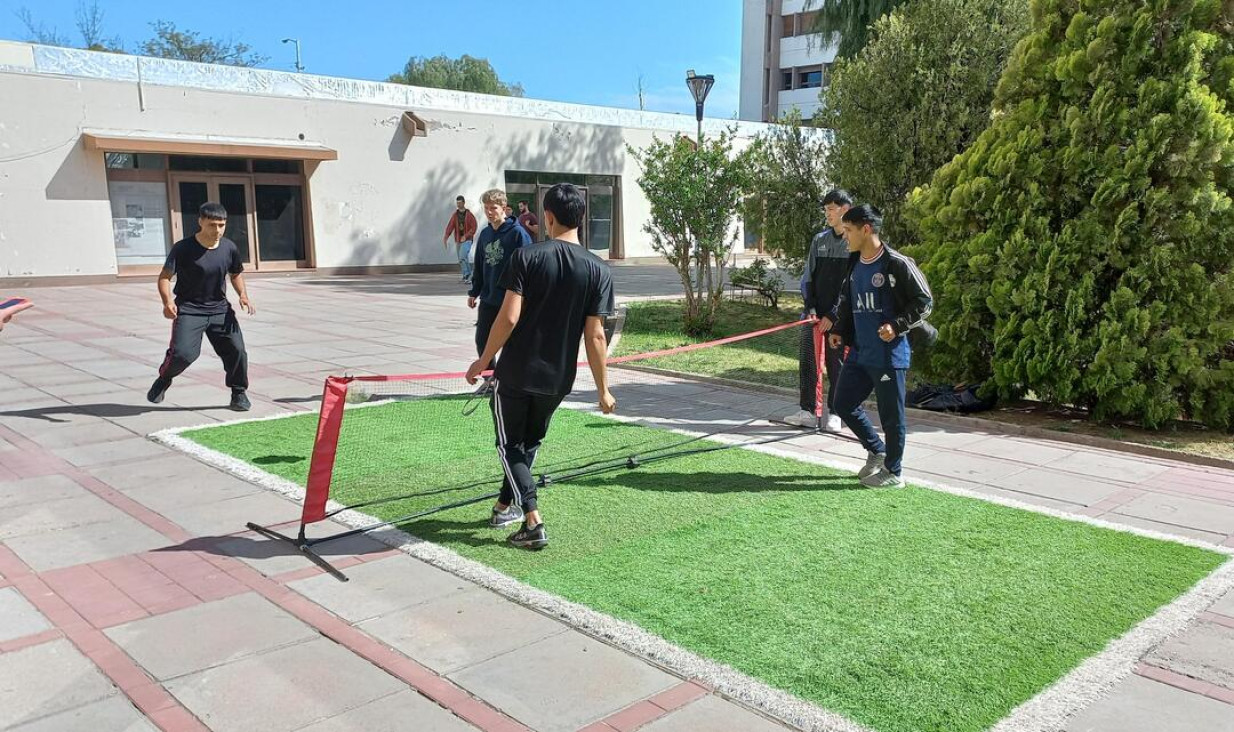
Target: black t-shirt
[[201, 275], [562, 284]]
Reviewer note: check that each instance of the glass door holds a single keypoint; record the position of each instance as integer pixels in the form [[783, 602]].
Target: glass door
[[236, 195]]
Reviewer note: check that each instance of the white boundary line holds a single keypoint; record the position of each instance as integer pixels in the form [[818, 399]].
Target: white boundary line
[[1045, 712]]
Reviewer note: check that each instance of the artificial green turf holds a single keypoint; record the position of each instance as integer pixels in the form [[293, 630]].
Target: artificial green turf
[[902, 609], [770, 359]]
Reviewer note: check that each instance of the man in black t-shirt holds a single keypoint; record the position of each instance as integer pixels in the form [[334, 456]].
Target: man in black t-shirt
[[201, 265], [555, 292]]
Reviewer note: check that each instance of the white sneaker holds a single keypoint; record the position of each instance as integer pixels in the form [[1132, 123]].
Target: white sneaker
[[883, 479], [801, 418], [834, 423], [874, 463]]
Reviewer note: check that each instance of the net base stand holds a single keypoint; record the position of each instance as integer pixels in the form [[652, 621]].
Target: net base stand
[[303, 545]]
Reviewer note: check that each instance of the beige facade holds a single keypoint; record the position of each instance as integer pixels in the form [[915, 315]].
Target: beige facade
[[103, 158]]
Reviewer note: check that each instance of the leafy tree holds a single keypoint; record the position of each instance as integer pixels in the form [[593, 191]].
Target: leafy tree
[[1081, 249], [850, 21], [789, 181], [915, 97], [694, 192], [171, 42], [467, 73]]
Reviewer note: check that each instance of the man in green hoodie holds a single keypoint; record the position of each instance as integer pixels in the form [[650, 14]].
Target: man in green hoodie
[[494, 247]]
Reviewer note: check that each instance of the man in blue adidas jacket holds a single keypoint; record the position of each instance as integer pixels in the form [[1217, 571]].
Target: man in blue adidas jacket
[[884, 298]]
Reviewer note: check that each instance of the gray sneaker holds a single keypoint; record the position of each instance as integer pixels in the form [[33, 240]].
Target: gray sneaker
[[512, 515], [874, 463], [883, 479]]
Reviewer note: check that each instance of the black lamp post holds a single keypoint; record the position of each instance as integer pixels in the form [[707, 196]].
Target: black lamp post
[[699, 88]]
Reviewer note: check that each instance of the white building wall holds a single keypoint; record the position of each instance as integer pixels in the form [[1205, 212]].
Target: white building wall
[[753, 45], [384, 202], [804, 100]]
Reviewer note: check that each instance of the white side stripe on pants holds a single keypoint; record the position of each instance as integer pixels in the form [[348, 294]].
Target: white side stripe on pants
[[501, 447]]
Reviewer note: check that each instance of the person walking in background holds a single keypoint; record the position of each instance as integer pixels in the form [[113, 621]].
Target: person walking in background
[[825, 270], [462, 226]]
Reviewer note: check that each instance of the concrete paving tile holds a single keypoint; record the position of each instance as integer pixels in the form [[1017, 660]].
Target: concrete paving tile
[[113, 714], [222, 518], [39, 490], [1225, 605], [47, 679], [1023, 451], [951, 464], [577, 681], [1181, 511], [462, 629], [1204, 651], [1141, 705], [284, 689], [18, 617], [78, 435], [47, 516], [1113, 467], [1059, 486], [197, 638], [941, 437], [380, 587], [111, 452], [712, 714], [88, 543], [171, 468], [399, 712], [1183, 531]]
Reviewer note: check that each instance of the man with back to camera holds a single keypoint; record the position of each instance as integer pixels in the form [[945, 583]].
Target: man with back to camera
[[884, 297], [494, 247], [825, 271], [462, 225], [556, 292], [201, 266]]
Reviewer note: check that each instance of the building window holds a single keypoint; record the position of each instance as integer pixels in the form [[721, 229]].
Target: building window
[[786, 79], [789, 29], [805, 23], [135, 161], [810, 77]]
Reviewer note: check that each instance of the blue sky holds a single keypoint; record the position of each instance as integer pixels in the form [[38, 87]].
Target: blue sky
[[585, 52]]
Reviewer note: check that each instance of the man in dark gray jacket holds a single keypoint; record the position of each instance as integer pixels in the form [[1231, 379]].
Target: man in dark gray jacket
[[825, 270]]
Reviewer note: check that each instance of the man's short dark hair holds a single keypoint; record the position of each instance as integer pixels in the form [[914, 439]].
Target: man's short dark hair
[[212, 211], [839, 197], [523, 204], [460, 199], [565, 202], [864, 214]]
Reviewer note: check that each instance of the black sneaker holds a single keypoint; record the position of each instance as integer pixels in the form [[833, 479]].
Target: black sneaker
[[534, 539], [240, 402], [157, 390], [512, 515]]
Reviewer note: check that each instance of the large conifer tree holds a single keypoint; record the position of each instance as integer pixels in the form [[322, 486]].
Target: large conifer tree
[[1081, 249]]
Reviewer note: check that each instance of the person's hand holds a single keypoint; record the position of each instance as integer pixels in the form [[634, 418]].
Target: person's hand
[[473, 372], [886, 332], [834, 340], [169, 311], [608, 404], [471, 303], [247, 306], [825, 324]]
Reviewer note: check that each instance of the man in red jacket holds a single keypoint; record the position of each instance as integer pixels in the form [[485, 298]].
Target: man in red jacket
[[462, 226]]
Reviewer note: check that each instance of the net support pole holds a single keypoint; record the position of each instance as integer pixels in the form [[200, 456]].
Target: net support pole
[[820, 361], [321, 470]]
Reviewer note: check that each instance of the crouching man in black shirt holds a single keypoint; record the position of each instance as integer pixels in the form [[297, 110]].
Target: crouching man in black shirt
[[201, 265], [556, 291]]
